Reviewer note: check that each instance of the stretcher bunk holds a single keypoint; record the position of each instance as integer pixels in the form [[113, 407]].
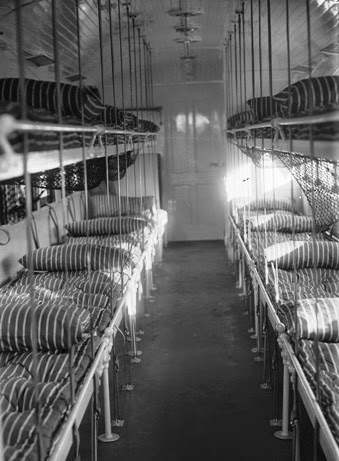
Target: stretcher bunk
[[291, 363], [131, 284], [86, 136], [143, 256]]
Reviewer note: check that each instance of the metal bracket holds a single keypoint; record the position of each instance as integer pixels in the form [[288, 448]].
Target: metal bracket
[[118, 422], [128, 387], [256, 351], [266, 386], [275, 422], [258, 359], [135, 360]]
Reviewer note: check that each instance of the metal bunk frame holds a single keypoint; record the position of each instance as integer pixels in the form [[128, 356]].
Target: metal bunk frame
[[290, 361], [11, 164]]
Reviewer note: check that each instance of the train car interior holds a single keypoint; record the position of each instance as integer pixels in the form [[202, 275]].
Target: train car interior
[[169, 230]]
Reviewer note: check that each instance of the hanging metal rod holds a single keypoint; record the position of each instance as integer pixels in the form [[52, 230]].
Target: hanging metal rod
[[9, 124], [276, 122]]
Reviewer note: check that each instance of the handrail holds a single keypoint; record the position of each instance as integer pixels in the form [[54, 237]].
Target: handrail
[[66, 430], [327, 440], [8, 124], [276, 122], [279, 326], [329, 444]]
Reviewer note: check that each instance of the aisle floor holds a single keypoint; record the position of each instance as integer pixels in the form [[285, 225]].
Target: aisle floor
[[196, 391]]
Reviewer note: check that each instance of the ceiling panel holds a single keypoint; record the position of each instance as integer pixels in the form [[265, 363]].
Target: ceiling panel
[[203, 40]]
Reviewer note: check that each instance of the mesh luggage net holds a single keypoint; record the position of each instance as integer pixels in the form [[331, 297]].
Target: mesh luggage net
[[75, 174], [317, 177]]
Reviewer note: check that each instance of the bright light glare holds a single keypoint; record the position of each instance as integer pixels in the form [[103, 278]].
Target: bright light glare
[[200, 121], [274, 178], [238, 182]]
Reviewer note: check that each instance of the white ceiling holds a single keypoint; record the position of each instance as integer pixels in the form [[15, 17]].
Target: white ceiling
[[158, 29]]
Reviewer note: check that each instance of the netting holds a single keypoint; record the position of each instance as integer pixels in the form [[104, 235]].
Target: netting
[[75, 174], [317, 177]]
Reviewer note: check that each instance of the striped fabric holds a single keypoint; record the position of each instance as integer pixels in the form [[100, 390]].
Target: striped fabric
[[50, 366], [261, 107], [289, 291], [43, 94], [314, 275], [317, 319], [54, 320], [147, 125], [239, 120], [105, 226], [93, 282], [49, 281], [127, 120], [25, 291], [282, 223], [332, 287], [307, 254], [75, 258], [44, 140], [268, 204], [323, 91], [328, 380], [127, 244], [19, 428], [101, 206], [328, 355], [110, 114], [18, 394]]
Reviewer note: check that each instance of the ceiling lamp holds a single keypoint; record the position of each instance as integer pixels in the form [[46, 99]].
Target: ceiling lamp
[[187, 62], [187, 9], [185, 29], [188, 39]]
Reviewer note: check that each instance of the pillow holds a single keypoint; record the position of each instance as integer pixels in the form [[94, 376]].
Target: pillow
[[239, 120], [50, 366], [324, 92], [76, 258], [112, 116], [270, 204], [19, 428], [101, 206], [93, 282], [147, 125], [318, 319], [49, 281], [54, 319], [281, 223], [19, 393], [105, 226], [317, 275], [127, 120], [261, 107], [43, 94], [306, 254], [25, 291]]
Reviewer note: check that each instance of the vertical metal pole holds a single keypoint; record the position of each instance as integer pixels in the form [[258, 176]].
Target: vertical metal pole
[[285, 434]]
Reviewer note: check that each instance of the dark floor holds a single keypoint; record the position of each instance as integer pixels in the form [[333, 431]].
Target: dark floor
[[196, 391]]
